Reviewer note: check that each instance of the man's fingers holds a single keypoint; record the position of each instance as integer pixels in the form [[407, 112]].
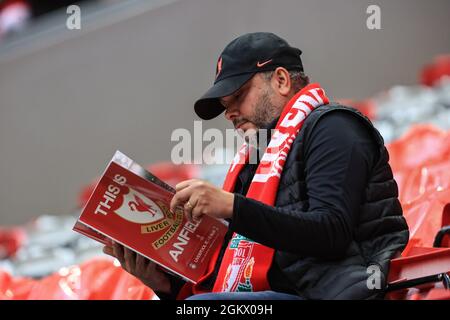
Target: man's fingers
[[109, 251], [183, 184], [180, 198], [196, 214], [118, 253], [130, 259], [189, 206], [141, 263], [151, 266]]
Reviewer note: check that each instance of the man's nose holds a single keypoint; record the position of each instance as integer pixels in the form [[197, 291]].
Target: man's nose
[[231, 113]]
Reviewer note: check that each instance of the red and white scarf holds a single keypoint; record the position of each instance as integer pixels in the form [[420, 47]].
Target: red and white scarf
[[245, 263]]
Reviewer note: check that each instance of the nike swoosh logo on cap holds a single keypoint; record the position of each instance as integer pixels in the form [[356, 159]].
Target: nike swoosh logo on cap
[[259, 65]]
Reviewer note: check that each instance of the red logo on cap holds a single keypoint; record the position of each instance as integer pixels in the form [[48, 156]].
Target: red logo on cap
[[259, 64], [219, 67]]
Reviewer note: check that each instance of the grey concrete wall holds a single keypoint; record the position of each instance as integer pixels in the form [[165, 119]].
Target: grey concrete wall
[[68, 99]]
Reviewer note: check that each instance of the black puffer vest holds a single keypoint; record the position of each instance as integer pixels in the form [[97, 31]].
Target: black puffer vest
[[380, 235]]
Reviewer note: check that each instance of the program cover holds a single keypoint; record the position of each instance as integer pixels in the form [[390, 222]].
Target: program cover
[[131, 206]]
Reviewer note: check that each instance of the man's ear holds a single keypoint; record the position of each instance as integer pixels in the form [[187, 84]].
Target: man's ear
[[281, 81]]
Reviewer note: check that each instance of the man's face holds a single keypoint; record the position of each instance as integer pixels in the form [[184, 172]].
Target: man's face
[[251, 106]]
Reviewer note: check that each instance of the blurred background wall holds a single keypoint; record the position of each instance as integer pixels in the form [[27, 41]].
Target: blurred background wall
[[129, 77]]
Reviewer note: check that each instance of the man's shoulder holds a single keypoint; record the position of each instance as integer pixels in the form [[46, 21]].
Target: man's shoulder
[[334, 125], [341, 116], [338, 111], [335, 118]]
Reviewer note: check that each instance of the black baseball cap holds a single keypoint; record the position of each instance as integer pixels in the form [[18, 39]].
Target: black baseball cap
[[240, 60]]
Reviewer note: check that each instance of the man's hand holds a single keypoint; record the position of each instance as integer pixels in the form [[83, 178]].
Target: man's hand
[[140, 267], [198, 198]]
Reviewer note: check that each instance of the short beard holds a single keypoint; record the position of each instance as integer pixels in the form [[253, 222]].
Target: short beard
[[264, 111]]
